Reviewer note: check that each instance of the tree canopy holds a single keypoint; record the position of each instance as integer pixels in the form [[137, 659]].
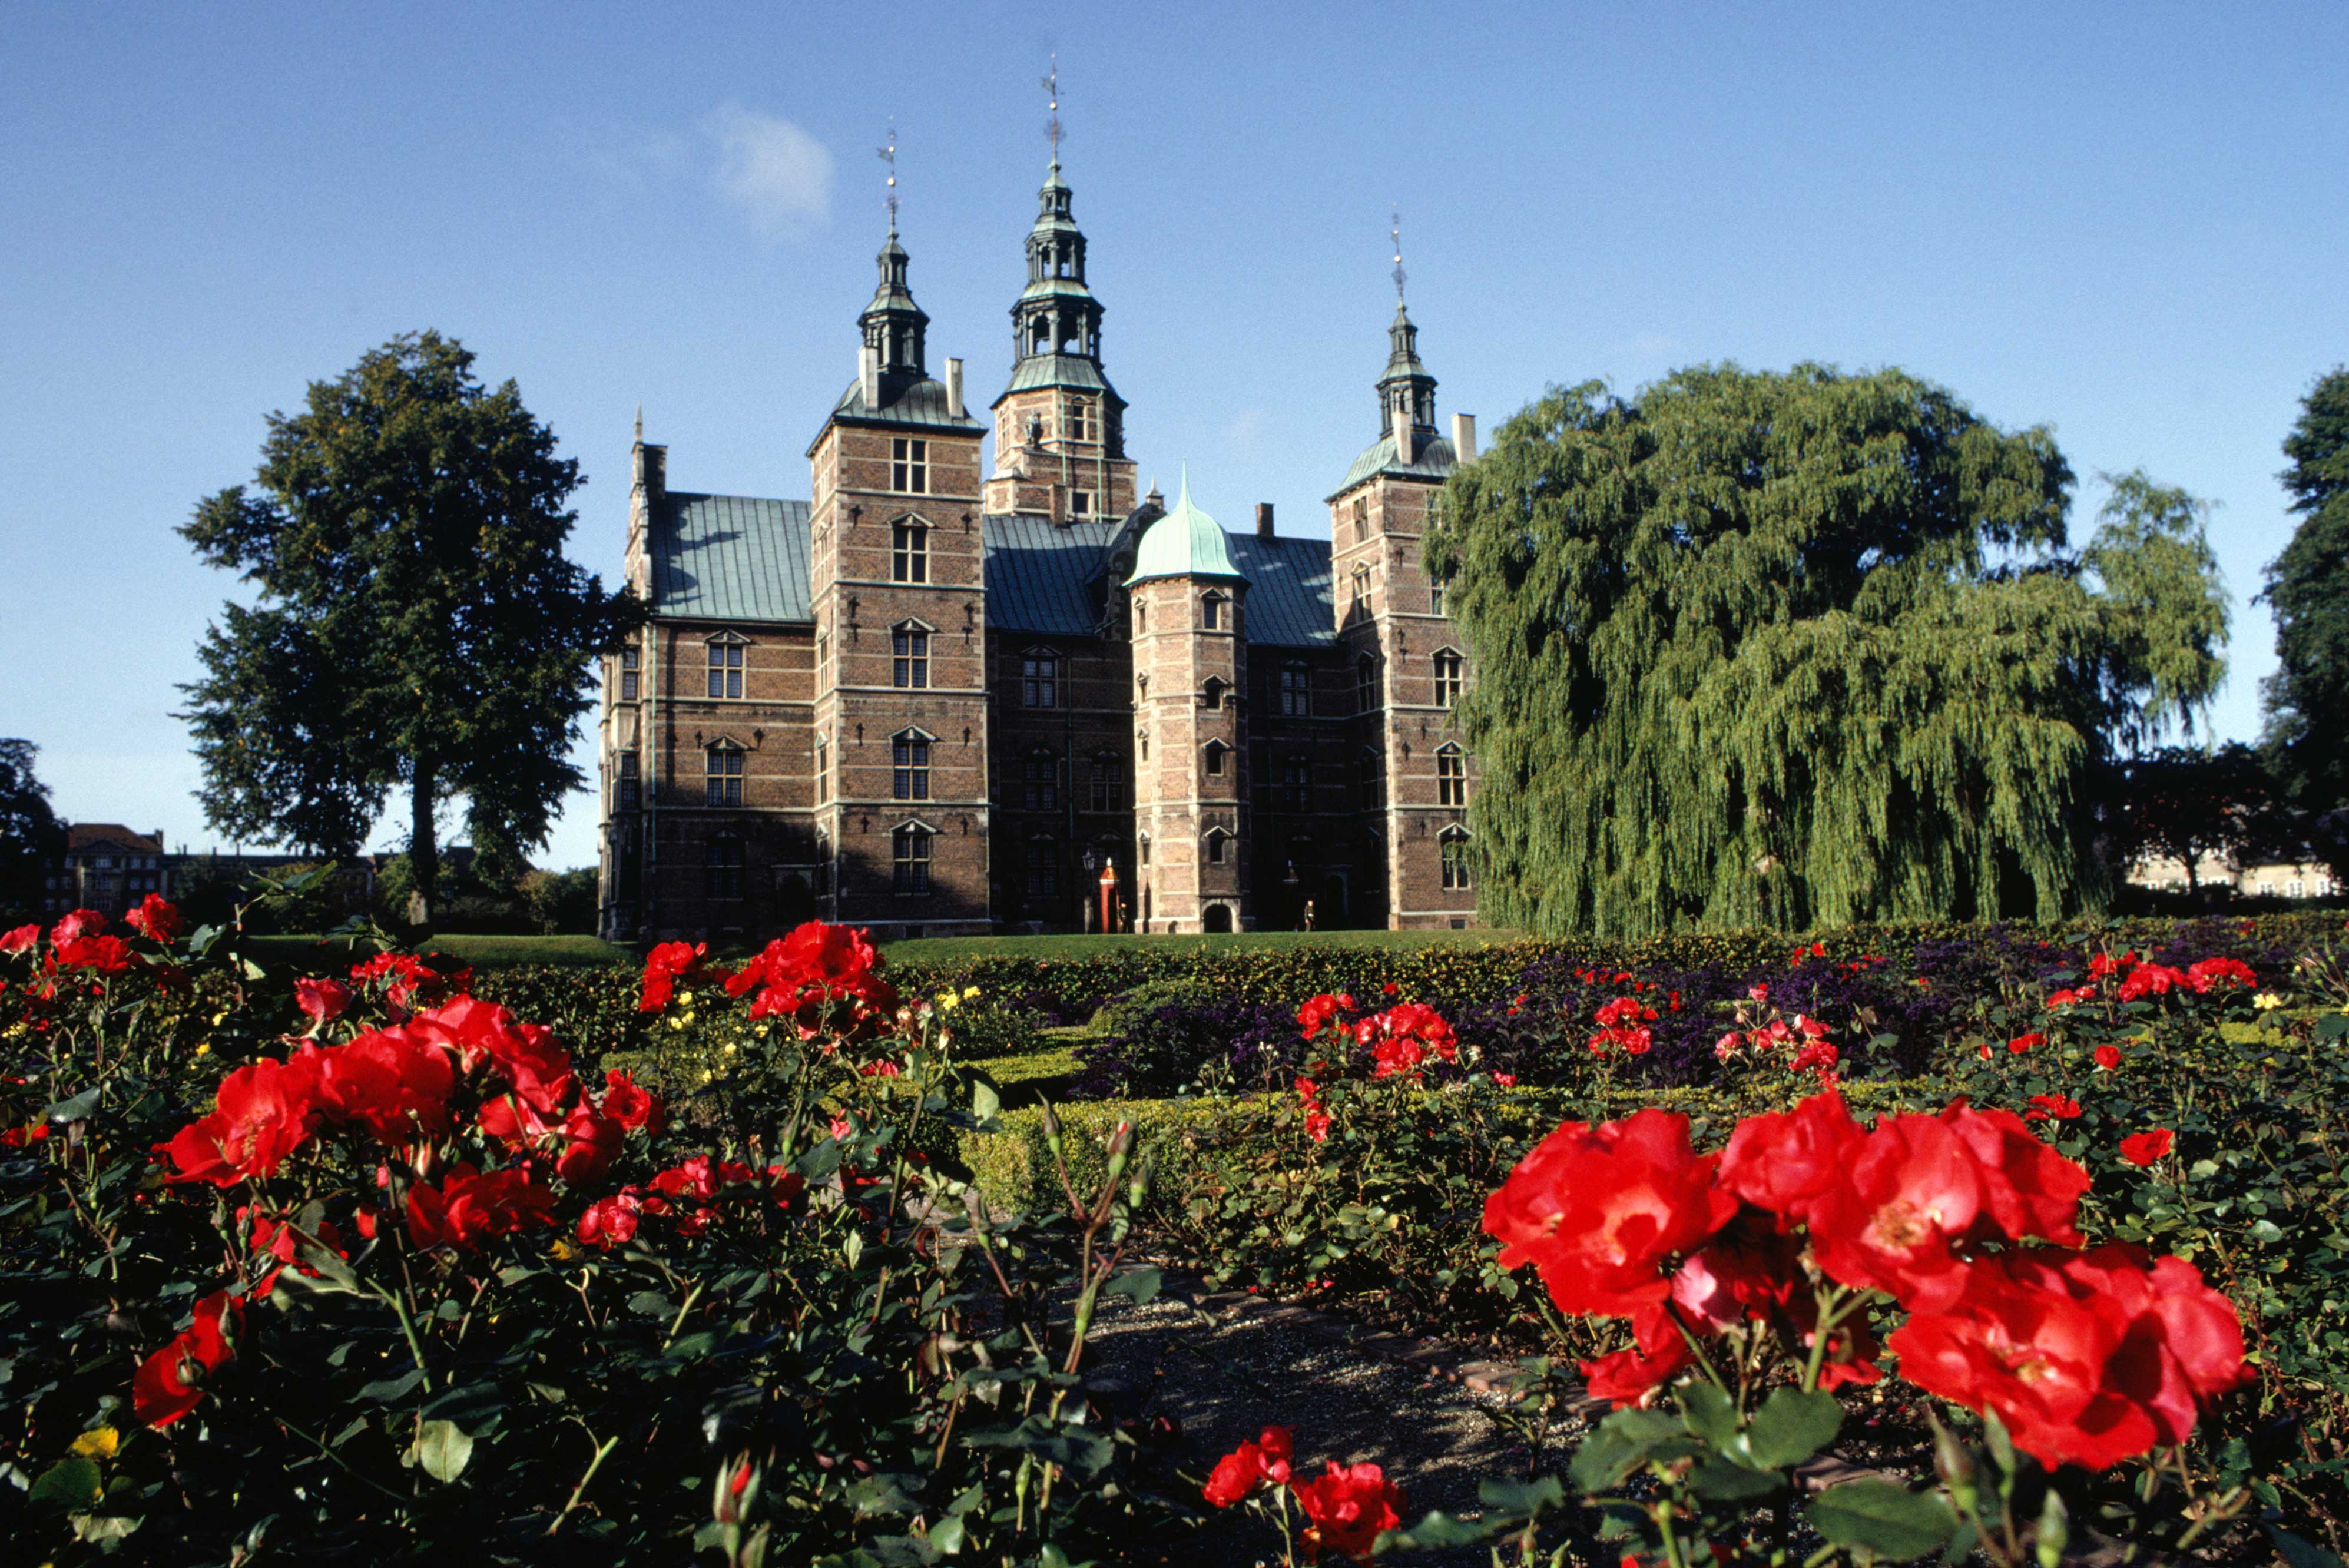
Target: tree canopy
[[28, 829], [2307, 698], [1799, 648], [417, 626], [2183, 803]]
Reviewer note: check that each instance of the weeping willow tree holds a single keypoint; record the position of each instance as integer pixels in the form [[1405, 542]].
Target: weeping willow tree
[[1806, 649]]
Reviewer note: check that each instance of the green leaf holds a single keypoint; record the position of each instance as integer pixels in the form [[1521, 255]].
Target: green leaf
[[1624, 1442], [1521, 1498], [443, 1448], [2295, 1551], [1877, 1516], [1790, 1426], [385, 1390], [1438, 1529], [70, 1485], [1709, 1412], [78, 1108], [984, 1101], [1718, 1480], [1142, 1284], [946, 1535]]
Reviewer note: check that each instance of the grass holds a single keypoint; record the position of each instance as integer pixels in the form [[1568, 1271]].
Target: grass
[[480, 952], [953, 949]]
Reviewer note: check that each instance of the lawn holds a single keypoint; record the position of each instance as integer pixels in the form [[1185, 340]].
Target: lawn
[[956, 949], [480, 952]]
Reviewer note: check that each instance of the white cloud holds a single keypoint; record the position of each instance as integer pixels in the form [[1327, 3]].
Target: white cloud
[[777, 173]]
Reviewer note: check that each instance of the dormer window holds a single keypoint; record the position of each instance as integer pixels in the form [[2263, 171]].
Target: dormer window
[[910, 765], [1215, 752], [1211, 696], [1218, 845], [1451, 777], [1447, 679], [909, 656]]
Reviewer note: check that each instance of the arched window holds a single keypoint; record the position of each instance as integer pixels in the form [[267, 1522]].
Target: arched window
[[910, 759], [1362, 521], [910, 847], [1043, 867], [909, 662], [1362, 580], [1142, 851], [1215, 752], [1372, 773], [1453, 843], [725, 871], [1212, 694], [726, 666], [1039, 678], [1218, 845], [1296, 691], [1366, 685], [909, 552], [1447, 679], [1104, 796], [1451, 777], [721, 763], [1141, 745], [1042, 779], [1211, 612]]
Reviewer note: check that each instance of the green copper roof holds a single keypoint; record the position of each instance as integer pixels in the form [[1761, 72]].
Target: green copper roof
[[1435, 460], [1186, 543]]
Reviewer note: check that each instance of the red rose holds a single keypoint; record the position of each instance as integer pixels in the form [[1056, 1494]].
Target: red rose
[[1276, 1450], [468, 1208], [1599, 1211], [1348, 1507], [2209, 973], [1657, 1354], [2070, 997], [74, 927], [2028, 1189], [170, 1383], [1747, 1270], [609, 1222], [1234, 1476], [594, 1143], [1786, 1162], [2062, 1108], [264, 1111], [815, 964], [524, 1054], [2105, 964], [98, 954], [665, 965], [2152, 980], [395, 1082], [2088, 1357], [2108, 1058], [322, 1001], [1317, 1011], [2022, 1043], [631, 1106], [2145, 1147], [20, 940], [275, 1238], [156, 920]]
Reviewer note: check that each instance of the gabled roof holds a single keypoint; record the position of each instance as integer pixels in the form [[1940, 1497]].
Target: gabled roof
[[1045, 578], [731, 558], [1289, 603], [90, 835], [1435, 460]]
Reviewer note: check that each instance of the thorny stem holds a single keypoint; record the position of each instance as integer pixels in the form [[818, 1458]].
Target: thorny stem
[[603, 1451]]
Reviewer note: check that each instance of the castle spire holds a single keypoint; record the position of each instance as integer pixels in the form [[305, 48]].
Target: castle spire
[[894, 326], [1406, 391]]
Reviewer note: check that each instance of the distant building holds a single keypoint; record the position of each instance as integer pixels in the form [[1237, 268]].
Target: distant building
[[2277, 878], [946, 695], [107, 867]]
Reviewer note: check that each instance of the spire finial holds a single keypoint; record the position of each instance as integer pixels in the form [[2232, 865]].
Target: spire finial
[[640, 424], [1052, 96], [889, 157], [1394, 233]]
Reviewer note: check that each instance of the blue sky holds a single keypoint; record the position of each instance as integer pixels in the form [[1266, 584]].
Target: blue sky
[[2129, 222]]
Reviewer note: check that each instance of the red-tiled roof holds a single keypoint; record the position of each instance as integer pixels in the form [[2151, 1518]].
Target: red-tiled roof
[[81, 835]]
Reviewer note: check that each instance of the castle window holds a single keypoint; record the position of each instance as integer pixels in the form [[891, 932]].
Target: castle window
[[1366, 685], [1043, 868], [725, 668], [1104, 782], [1211, 612], [1453, 843], [822, 864], [823, 769], [909, 552], [1141, 745], [1296, 785], [1447, 679], [1080, 505], [628, 675], [1371, 773], [1039, 678], [1361, 581], [1436, 591], [722, 768], [631, 796], [1078, 422], [1362, 521], [1212, 695], [1216, 750], [1451, 777], [910, 465], [910, 855], [1042, 781], [1218, 840], [910, 775], [909, 662], [724, 876], [1296, 691], [1141, 617]]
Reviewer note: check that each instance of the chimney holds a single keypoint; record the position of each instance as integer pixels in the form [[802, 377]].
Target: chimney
[[1463, 437], [1264, 520], [954, 387], [1402, 431], [654, 476], [868, 361]]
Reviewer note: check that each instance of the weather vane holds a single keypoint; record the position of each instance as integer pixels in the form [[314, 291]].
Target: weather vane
[[1395, 234], [889, 157], [1052, 125]]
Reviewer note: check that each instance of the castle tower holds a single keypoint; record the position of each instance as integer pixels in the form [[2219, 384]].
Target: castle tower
[[1059, 426], [1186, 605], [896, 576], [1408, 664]]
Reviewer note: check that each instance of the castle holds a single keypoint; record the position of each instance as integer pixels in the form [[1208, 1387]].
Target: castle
[[940, 700]]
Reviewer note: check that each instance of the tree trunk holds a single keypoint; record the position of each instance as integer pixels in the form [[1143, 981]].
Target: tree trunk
[[423, 854]]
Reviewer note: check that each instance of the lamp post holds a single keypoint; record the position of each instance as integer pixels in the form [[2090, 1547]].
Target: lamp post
[[1109, 899]]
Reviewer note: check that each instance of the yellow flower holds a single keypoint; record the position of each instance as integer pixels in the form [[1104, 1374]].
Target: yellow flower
[[948, 1002], [968, 991], [562, 1252], [685, 997], [98, 1443], [203, 1047], [676, 1024], [2267, 1001]]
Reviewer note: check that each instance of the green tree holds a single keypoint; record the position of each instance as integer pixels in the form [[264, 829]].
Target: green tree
[[417, 627], [2307, 698], [28, 829], [2183, 803], [1805, 648]]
